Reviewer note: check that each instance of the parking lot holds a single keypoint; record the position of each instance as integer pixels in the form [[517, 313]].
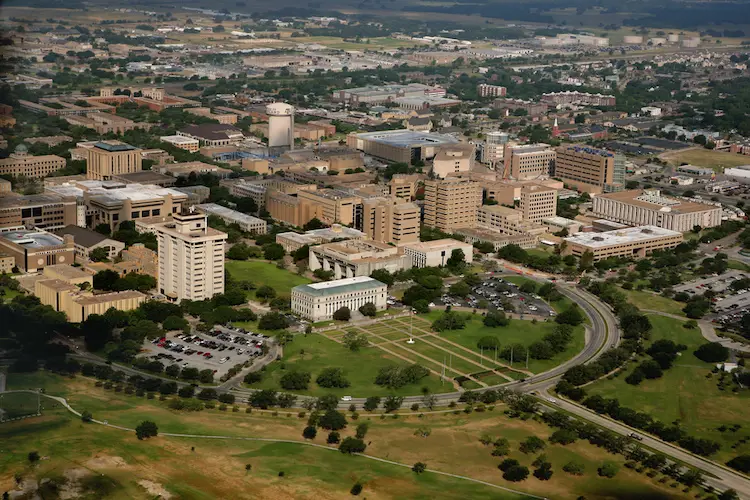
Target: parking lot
[[218, 349]]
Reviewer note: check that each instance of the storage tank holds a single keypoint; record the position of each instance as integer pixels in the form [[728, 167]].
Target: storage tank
[[658, 41], [632, 39], [673, 38], [691, 42], [280, 125]]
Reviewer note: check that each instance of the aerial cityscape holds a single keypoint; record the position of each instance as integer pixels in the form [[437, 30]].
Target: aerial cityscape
[[449, 249]]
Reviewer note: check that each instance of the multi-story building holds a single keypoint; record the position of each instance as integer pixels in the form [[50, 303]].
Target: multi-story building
[[633, 242], [453, 158], [335, 205], [5, 186], [7, 263], [194, 167], [580, 98], [493, 149], [191, 258], [42, 211], [649, 207], [538, 202], [318, 301], [182, 142], [222, 117], [105, 123], [437, 252], [21, 162], [385, 93], [530, 107], [404, 186], [357, 258], [507, 221], [247, 223], [589, 169], [487, 90], [108, 158], [213, 134], [390, 220], [292, 241], [86, 241], [35, 249], [530, 161], [404, 146], [452, 203]]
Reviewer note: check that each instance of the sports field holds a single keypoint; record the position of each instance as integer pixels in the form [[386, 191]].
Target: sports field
[[700, 157], [261, 272]]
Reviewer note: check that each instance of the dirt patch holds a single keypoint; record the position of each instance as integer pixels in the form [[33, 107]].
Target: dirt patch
[[105, 462], [72, 489], [155, 489]]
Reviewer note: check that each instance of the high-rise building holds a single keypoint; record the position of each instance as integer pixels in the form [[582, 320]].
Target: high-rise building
[[191, 258], [589, 169], [390, 220], [108, 158], [451, 203], [453, 158], [494, 147], [529, 161], [538, 202]]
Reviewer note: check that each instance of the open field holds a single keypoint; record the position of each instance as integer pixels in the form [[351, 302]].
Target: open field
[[684, 393], [654, 302], [212, 468], [262, 272], [700, 157]]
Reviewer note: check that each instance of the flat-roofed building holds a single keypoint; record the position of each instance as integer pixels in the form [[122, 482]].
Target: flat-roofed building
[[105, 123], [357, 258], [530, 161], [220, 116], [247, 223], [213, 134], [451, 203], [7, 263], [335, 205], [86, 241], [453, 159], [497, 239], [538, 202], [530, 107], [20, 162], [318, 301], [390, 220], [487, 90], [196, 167], [590, 169], [191, 258], [5, 186], [182, 142], [506, 220], [634, 242], [109, 158], [149, 177], [78, 305], [292, 241], [404, 186], [579, 98], [35, 249], [43, 211], [405, 146], [437, 252], [650, 207]]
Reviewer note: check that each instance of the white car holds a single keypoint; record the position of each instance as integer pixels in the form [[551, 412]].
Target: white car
[[222, 361], [346, 398]]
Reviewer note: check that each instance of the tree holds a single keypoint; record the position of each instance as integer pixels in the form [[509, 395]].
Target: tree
[[383, 276], [532, 444], [332, 420], [33, 456], [273, 321], [248, 468], [86, 416], [332, 378], [356, 489], [342, 314], [263, 399], [368, 309], [488, 342], [352, 445], [295, 381], [371, 403], [309, 432], [574, 468], [608, 469], [146, 429], [103, 228], [457, 260], [392, 403], [740, 463], [176, 323], [571, 316], [273, 251], [265, 292], [99, 254], [563, 436], [459, 289], [496, 318], [313, 223], [543, 471], [362, 430], [419, 467], [516, 473], [712, 352], [333, 438], [501, 447], [729, 495]]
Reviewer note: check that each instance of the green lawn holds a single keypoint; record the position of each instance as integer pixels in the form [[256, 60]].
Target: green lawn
[[314, 352], [6, 294], [740, 266], [654, 302], [684, 393], [518, 332], [262, 272]]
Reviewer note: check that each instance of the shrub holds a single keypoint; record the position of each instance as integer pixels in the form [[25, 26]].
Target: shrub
[[309, 432], [356, 489], [295, 381], [574, 468], [352, 445], [608, 469]]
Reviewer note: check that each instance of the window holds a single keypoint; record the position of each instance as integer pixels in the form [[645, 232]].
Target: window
[[133, 215], [156, 211], [145, 213]]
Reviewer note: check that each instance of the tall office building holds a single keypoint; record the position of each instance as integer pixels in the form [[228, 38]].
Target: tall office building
[[110, 158], [191, 257], [493, 149], [390, 220], [538, 202], [529, 161], [589, 169], [451, 203]]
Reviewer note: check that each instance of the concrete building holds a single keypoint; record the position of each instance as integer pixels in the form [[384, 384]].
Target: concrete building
[[452, 203], [222, 117], [21, 162], [578, 98], [399, 145], [105, 123], [493, 150], [247, 223], [648, 207], [437, 252], [108, 158], [497, 239], [182, 142], [7, 263], [453, 158], [191, 258], [530, 161], [35, 249], [357, 258], [333, 205], [318, 301], [538, 202], [372, 95], [86, 241], [280, 125], [530, 107], [589, 169], [196, 167], [42, 211], [507, 220], [148, 177], [292, 241], [634, 242], [390, 220], [5, 186], [487, 90], [404, 186], [213, 134]]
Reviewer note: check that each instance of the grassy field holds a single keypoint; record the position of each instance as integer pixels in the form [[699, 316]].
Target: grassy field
[[213, 468], [518, 332], [740, 266], [650, 301], [262, 272], [717, 160], [684, 393]]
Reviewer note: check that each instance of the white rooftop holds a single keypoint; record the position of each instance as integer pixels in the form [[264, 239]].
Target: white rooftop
[[178, 139], [343, 282], [621, 236]]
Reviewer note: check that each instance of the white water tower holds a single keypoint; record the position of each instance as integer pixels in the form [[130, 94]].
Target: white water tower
[[280, 125]]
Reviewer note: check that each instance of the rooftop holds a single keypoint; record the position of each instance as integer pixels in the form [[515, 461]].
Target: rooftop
[[336, 287], [653, 200], [114, 146], [32, 239], [408, 138], [67, 271], [431, 246], [82, 236], [621, 236], [214, 209]]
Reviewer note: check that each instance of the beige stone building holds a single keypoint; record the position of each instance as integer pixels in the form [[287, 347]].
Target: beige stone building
[[437, 252], [390, 220], [335, 205], [589, 169], [452, 203], [86, 241], [43, 211], [222, 117], [318, 301], [5, 186], [633, 242], [404, 186], [34, 250], [182, 142], [191, 258], [453, 158], [357, 258], [292, 241], [105, 123], [22, 163], [7, 263], [108, 158], [538, 202], [507, 221], [530, 161], [650, 207]]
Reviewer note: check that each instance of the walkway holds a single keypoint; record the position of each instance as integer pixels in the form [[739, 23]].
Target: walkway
[[707, 330]]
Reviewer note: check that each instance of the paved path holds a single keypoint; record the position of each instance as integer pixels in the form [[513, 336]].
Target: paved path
[[67, 406], [707, 330]]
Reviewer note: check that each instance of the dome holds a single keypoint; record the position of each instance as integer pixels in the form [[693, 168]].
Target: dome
[[21, 148]]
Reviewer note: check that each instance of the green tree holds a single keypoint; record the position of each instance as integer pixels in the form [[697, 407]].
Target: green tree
[[371, 403], [368, 309], [332, 420], [99, 254], [354, 341], [419, 467], [146, 429], [332, 378], [342, 314], [352, 445], [273, 251], [309, 432], [457, 260], [608, 469], [459, 289], [295, 381]]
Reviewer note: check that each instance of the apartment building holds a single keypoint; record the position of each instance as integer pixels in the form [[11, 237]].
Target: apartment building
[[451, 203], [352, 258], [437, 252], [633, 242], [530, 107], [487, 90], [493, 149], [589, 169], [538, 202], [390, 220], [530, 161], [318, 301], [453, 158], [334, 205], [191, 257], [649, 207], [20, 162], [42, 211], [507, 221], [108, 158]]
